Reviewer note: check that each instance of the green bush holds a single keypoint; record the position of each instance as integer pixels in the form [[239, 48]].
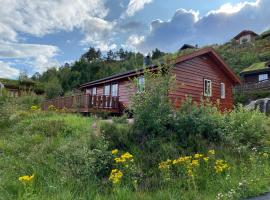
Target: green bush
[[198, 125], [118, 135], [246, 129], [152, 109]]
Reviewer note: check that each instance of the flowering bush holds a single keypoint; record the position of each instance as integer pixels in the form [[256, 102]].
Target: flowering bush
[[189, 168], [34, 108], [124, 169]]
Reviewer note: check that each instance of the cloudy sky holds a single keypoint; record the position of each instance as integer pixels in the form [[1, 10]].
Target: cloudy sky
[[36, 35]]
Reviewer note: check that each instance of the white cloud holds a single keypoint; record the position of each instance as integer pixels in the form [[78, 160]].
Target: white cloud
[[217, 26], [135, 6], [43, 17], [103, 46], [229, 8], [6, 71], [38, 57]]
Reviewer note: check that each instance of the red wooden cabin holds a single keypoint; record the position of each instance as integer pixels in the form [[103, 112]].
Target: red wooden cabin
[[199, 74]]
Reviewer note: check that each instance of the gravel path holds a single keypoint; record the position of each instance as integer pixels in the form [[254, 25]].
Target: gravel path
[[263, 197]]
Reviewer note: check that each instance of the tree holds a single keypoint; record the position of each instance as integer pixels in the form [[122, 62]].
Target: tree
[[53, 88], [110, 55], [157, 54], [92, 54]]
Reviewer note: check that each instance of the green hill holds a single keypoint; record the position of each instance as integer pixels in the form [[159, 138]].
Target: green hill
[[240, 57]]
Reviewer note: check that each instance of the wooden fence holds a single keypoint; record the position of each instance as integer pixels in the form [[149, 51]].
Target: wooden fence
[[84, 103]]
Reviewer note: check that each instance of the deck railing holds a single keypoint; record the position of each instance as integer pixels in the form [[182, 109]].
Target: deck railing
[[249, 87], [84, 103]]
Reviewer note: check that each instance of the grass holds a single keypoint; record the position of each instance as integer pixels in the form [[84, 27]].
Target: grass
[[256, 66], [70, 160]]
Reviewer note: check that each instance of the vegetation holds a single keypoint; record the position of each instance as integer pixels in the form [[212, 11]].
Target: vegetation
[[194, 152]]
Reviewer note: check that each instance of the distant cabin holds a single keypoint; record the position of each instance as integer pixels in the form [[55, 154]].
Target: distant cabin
[[188, 46], [258, 72], [201, 74], [246, 36]]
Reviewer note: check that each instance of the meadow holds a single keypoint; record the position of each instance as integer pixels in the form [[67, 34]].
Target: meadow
[[196, 152]]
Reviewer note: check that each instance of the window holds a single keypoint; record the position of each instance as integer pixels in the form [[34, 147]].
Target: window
[[88, 91], [263, 77], [115, 90], [222, 90], [106, 90], [207, 88], [141, 84], [94, 91]]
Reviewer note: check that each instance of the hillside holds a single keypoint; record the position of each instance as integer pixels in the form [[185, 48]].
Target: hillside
[[239, 57]]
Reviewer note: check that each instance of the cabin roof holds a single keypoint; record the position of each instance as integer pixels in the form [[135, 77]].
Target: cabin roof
[[245, 32], [260, 66], [187, 46], [224, 67]]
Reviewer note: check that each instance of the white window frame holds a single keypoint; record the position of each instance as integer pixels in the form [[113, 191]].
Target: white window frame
[[104, 90], [114, 89], [94, 91], [204, 87], [222, 91], [263, 77], [140, 84]]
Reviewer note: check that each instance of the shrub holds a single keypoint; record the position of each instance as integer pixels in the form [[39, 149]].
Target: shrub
[[152, 108], [118, 135], [198, 125], [246, 129]]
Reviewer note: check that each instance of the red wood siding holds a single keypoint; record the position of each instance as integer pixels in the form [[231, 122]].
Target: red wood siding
[[125, 91], [190, 77]]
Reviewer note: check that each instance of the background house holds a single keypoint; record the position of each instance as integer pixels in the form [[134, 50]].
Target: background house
[[257, 72], [246, 36]]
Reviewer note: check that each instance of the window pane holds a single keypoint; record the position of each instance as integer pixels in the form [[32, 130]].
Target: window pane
[[94, 91], [263, 77], [222, 87], [88, 91], [106, 90], [115, 90], [207, 87]]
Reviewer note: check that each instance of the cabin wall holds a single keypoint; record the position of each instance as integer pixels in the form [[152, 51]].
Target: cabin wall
[[253, 78], [190, 77], [126, 90]]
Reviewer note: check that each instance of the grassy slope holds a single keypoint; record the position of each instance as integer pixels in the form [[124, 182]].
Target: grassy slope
[[35, 143]]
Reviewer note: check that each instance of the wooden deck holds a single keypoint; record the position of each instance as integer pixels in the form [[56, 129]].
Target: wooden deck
[[85, 103]]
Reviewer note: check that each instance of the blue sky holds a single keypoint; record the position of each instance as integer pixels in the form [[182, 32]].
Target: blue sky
[[36, 35]]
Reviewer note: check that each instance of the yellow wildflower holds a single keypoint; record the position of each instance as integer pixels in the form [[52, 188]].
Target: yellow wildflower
[[115, 176], [197, 156], [165, 164], [195, 163], [212, 152], [206, 159], [34, 108], [115, 151], [190, 173], [221, 166], [127, 155], [119, 160], [26, 179]]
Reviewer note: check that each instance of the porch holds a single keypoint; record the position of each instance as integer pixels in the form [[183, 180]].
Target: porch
[[251, 87], [85, 103]]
